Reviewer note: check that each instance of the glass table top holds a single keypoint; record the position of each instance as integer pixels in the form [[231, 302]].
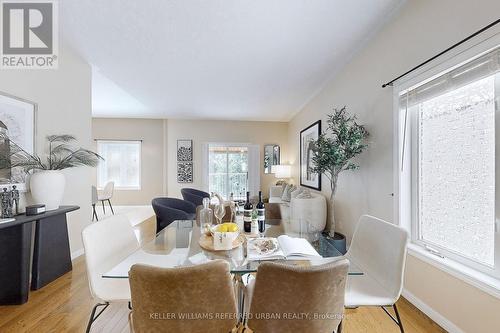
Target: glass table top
[[177, 245]]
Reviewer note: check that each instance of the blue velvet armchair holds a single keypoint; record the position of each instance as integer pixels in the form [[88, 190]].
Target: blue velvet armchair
[[168, 210], [194, 196]]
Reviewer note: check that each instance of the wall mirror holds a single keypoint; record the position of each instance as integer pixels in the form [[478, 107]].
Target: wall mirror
[[271, 157]]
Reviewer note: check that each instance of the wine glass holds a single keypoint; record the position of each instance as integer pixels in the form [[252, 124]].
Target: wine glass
[[220, 211]]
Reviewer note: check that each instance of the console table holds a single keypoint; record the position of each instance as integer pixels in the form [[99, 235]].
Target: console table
[[51, 254]]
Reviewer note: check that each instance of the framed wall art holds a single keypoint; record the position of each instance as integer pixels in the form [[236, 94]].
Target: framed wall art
[[184, 172], [17, 124], [307, 178], [184, 161], [184, 150]]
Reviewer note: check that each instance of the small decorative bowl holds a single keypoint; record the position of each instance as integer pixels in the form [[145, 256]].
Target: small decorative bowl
[[224, 240]]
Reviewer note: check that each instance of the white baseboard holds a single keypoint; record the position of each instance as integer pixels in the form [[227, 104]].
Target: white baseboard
[[431, 313], [77, 253]]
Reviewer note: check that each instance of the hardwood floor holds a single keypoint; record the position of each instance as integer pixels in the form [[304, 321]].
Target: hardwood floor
[[65, 305]]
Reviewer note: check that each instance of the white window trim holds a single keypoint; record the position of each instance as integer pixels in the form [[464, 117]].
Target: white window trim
[[253, 159], [480, 280], [123, 188], [402, 169]]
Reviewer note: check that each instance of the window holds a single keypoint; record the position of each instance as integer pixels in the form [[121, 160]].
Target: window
[[122, 164], [231, 168], [447, 162], [228, 170]]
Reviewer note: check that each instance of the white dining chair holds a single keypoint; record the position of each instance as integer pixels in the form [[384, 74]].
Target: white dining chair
[[106, 244], [379, 249], [106, 195]]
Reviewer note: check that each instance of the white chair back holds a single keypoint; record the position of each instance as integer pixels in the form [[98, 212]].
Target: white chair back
[[107, 192], [94, 195], [106, 243], [379, 248]]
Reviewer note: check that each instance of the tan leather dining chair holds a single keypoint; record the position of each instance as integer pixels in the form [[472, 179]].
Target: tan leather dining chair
[[298, 299], [196, 299]]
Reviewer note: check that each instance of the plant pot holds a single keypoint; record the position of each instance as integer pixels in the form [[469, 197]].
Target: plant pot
[[338, 241], [47, 187]]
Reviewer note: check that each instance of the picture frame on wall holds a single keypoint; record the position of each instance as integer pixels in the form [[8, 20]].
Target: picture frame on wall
[[184, 150], [307, 135], [18, 124], [272, 157], [184, 172], [184, 161]]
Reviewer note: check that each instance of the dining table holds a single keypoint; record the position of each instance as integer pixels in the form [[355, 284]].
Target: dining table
[[177, 245]]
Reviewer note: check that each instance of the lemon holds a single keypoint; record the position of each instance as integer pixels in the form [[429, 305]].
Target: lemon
[[232, 227], [222, 228]]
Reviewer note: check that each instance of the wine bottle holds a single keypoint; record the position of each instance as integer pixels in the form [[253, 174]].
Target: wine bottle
[[247, 214], [261, 217]]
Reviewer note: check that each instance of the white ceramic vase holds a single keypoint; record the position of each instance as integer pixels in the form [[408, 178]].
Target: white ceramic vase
[[47, 187]]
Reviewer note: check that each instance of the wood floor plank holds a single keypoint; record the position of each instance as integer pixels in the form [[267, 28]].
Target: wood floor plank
[[65, 305]]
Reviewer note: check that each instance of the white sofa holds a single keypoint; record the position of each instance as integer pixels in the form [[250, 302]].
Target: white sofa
[[300, 212]]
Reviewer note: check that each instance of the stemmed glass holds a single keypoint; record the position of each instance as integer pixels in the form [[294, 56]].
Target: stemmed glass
[[220, 211]]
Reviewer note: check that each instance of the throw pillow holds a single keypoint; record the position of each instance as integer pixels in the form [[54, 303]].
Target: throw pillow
[[283, 187], [297, 192], [287, 193], [305, 194]]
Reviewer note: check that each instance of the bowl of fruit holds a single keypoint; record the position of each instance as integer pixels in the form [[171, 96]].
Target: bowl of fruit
[[224, 235]]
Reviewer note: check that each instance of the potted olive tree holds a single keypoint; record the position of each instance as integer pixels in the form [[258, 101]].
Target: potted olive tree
[[334, 150], [46, 181]]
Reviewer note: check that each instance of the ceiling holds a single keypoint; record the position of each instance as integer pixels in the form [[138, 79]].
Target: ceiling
[[215, 59]]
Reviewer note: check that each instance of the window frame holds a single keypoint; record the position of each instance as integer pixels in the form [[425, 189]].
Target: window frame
[[254, 163], [100, 186], [227, 173], [405, 175], [415, 226]]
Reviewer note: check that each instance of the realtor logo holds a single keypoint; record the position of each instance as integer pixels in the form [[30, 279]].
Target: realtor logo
[[29, 38]]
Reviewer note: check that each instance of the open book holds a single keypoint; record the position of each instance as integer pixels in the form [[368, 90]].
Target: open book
[[289, 248]]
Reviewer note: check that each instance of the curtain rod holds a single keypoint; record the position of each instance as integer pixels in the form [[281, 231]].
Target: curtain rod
[[441, 53]]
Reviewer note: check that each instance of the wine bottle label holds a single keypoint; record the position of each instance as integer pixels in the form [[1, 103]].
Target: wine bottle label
[[247, 215], [261, 214], [247, 220]]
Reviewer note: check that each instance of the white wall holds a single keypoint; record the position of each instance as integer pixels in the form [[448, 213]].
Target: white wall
[[150, 131], [64, 107], [420, 30], [202, 131], [159, 147]]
